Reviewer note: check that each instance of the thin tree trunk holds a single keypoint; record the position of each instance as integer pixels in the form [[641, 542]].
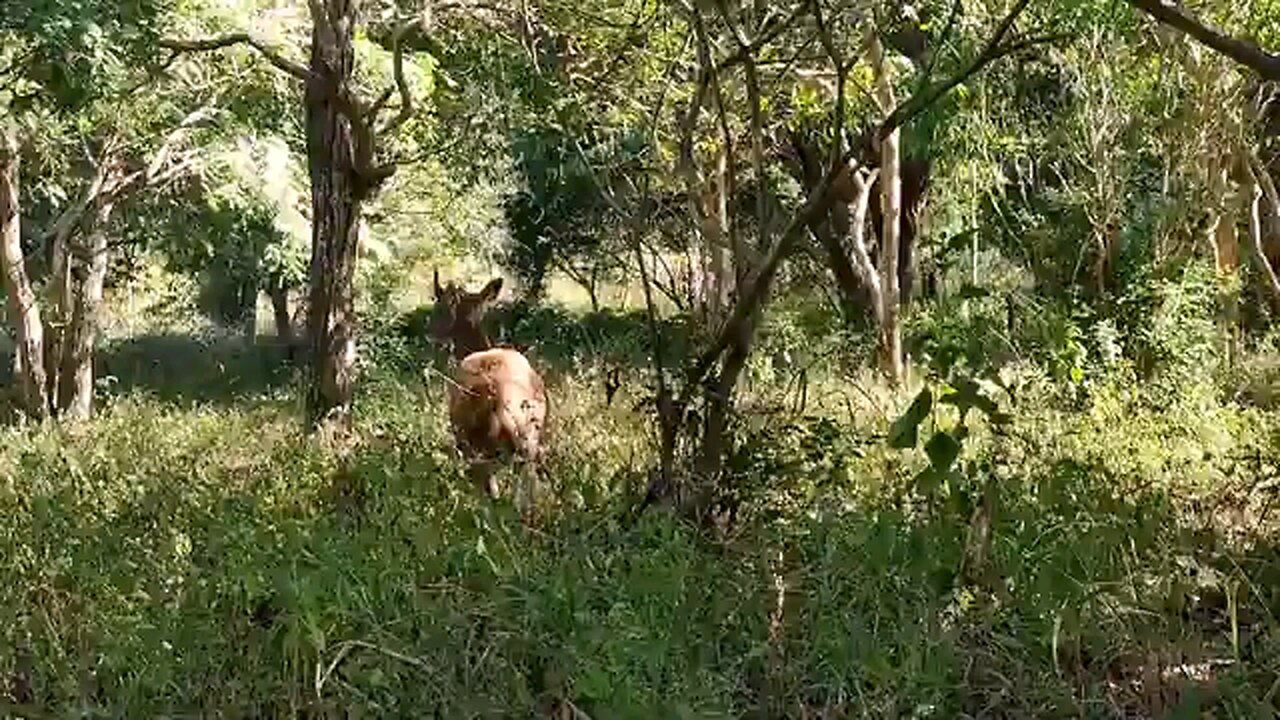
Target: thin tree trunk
[[1220, 235], [88, 277], [25, 313], [59, 290], [249, 320], [715, 441], [715, 234], [1259, 252], [279, 295], [1263, 187], [891, 209], [60, 302], [335, 201], [593, 290]]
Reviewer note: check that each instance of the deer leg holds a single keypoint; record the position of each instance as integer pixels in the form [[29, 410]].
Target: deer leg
[[526, 490], [481, 474]]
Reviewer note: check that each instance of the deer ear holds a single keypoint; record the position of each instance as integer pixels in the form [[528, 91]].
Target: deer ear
[[490, 291], [435, 279]]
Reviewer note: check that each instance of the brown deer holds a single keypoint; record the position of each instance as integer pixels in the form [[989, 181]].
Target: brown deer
[[497, 402]]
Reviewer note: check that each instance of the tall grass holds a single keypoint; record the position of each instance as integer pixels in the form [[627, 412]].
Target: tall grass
[[192, 552]]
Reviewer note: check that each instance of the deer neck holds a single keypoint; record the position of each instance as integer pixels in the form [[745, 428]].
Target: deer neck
[[470, 341]]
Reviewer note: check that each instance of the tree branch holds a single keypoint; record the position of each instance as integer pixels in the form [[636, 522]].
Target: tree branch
[[69, 219], [770, 34], [1263, 185], [192, 119], [380, 102], [272, 55], [863, 182], [941, 43], [991, 52], [402, 85], [1265, 63]]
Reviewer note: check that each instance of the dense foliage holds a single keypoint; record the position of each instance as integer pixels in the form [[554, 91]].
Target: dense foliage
[[1059, 502]]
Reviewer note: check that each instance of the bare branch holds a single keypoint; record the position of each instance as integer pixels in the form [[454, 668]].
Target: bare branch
[[1263, 62], [726, 137], [824, 35], [272, 55], [402, 86], [689, 124], [179, 132], [1262, 184], [884, 96], [769, 35], [818, 201], [757, 116], [864, 181]]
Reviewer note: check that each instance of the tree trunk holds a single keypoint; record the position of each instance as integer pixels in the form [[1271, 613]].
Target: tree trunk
[[715, 440], [1259, 250], [249, 302], [593, 291], [854, 296], [60, 301], [335, 202], [60, 298], [280, 310], [716, 235], [25, 313], [891, 209], [891, 202], [1226, 257], [914, 183], [88, 274]]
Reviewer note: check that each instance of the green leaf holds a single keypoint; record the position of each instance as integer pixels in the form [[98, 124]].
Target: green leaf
[[943, 449], [960, 241], [905, 431], [928, 481]]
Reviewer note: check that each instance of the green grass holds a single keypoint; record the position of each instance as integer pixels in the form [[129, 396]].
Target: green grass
[[192, 552]]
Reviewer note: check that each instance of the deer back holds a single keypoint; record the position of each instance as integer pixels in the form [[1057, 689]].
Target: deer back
[[498, 404]]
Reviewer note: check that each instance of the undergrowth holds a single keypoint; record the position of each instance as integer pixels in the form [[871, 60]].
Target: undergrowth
[[191, 551]]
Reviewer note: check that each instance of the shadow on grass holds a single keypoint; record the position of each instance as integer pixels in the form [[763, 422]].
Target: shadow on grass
[[563, 341], [427, 599], [180, 368]]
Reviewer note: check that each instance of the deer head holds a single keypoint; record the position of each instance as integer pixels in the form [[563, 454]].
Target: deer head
[[458, 314]]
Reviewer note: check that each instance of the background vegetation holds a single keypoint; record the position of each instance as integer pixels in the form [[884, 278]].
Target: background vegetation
[[903, 361]]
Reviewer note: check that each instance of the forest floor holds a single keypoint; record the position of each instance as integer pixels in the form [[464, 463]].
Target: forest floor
[[192, 551]]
